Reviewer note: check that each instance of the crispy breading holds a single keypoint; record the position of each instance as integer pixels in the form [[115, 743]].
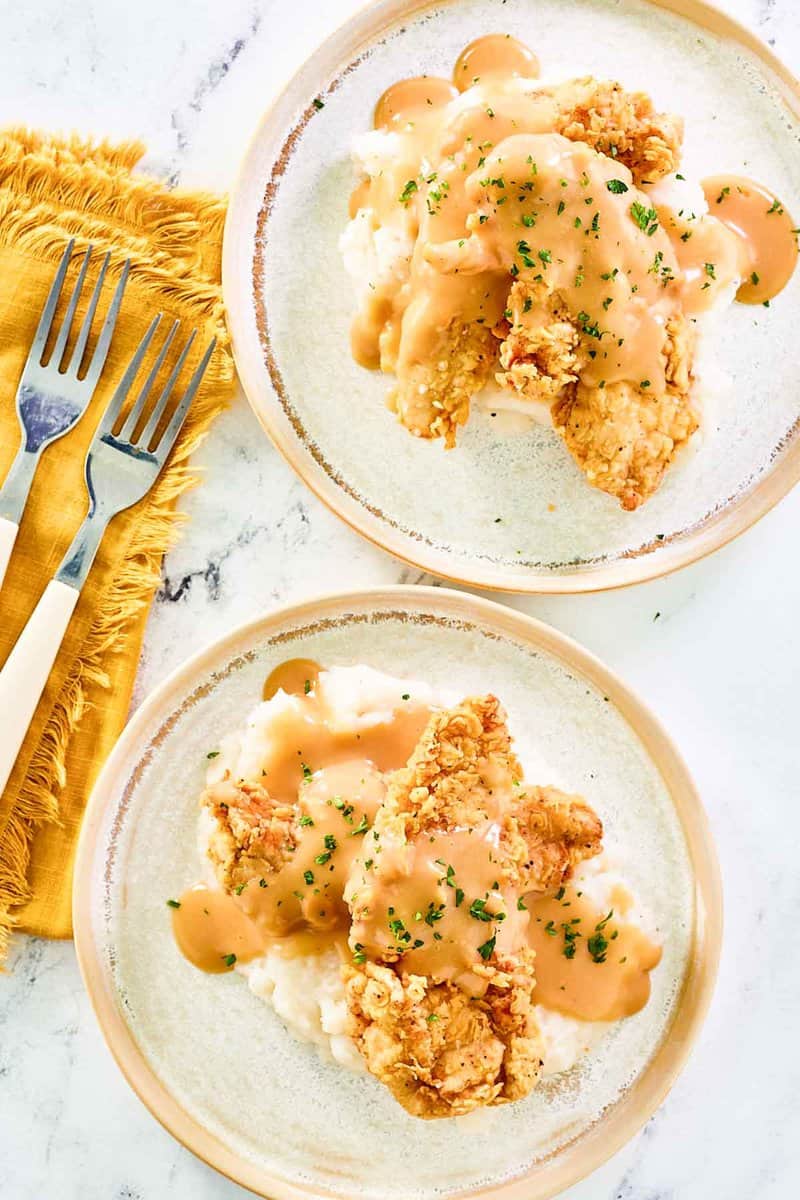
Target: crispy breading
[[624, 436], [560, 831], [253, 835], [540, 351], [440, 1051], [446, 782], [624, 125], [432, 398]]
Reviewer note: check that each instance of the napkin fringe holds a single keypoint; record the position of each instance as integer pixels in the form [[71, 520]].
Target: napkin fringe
[[51, 189]]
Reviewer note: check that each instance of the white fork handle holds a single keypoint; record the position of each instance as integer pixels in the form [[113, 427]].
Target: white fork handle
[[28, 667], [8, 535]]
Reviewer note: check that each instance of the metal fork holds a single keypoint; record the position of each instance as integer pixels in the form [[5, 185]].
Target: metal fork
[[120, 469], [51, 400]]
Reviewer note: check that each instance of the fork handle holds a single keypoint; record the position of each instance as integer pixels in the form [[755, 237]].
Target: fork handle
[[28, 667], [8, 535]]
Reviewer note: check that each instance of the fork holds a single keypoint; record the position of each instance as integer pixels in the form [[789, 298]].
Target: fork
[[120, 469], [51, 400]]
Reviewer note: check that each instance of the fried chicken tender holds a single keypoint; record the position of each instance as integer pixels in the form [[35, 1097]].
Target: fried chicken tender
[[624, 436], [622, 124], [540, 351], [432, 398], [440, 1049], [253, 834]]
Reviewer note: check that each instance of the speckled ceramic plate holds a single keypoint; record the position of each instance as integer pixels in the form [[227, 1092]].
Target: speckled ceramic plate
[[290, 305], [214, 1063]]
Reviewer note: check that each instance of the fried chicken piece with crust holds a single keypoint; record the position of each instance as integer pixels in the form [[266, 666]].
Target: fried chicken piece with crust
[[540, 352], [440, 1051], [443, 1050], [432, 398], [252, 834], [624, 436], [621, 124]]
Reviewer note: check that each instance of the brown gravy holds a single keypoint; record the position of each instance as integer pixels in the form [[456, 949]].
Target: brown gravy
[[408, 99], [439, 900], [765, 229], [575, 983], [495, 54], [296, 677]]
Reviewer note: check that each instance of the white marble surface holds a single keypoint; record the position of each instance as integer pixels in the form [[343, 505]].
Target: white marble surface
[[715, 651]]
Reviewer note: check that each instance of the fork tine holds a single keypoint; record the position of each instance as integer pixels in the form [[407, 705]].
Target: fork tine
[[147, 433], [179, 416], [106, 333], [109, 417], [46, 320], [132, 419], [86, 327], [69, 315]]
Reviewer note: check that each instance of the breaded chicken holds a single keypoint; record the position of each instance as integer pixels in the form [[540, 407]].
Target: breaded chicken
[[540, 350], [252, 836], [440, 1051], [624, 436], [623, 125], [432, 398], [443, 1050]]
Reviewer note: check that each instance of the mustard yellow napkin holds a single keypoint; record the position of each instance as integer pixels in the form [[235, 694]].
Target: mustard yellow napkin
[[52, 189]]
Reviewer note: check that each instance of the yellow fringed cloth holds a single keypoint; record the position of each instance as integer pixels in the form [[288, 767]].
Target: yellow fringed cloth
[[52, 190]]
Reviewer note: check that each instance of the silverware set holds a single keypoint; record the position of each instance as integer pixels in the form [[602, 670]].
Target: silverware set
[[120, 468]]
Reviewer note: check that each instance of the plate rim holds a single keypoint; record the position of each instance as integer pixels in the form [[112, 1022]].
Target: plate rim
[[733, 518], [634, 1107]]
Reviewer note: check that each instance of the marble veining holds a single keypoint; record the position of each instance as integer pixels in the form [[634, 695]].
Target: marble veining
[[714, 650]]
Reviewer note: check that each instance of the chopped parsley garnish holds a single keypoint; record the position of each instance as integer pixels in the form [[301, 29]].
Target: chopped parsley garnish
[[528, 220], [487, 949], [362, 827], [318, 104], [616, 186], [307, 772], [560, 893], [174, 903], [725, 191], [645, 218], [775, 207], [307, 686], [545, 256], [321, 859], [709, 270], [561, 207], [309, 877], [330, 841], [521, 905], [304, 820], [755, 278], [406, 696], [645, 383], [478, 910], [408, 191], [434, 913], [240, 888], [229, 959], [597, 945], [459, 897], [358, 955]]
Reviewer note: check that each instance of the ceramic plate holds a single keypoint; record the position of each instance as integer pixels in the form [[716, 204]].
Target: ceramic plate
[[213, 1062], [290, 305]]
